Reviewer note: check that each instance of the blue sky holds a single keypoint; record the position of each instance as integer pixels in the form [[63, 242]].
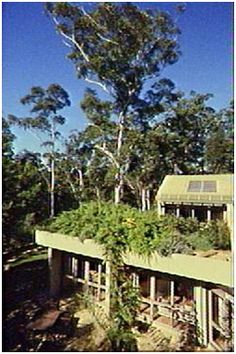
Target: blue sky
[[34, 55]]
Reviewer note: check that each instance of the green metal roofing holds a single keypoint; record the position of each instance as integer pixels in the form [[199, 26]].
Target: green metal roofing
[[213, 189]]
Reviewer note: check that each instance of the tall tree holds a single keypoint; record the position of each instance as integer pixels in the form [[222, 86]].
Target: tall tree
[[219, 152], [187, 125], [119, 48], [24, 198], [9, 177], [45, 104]]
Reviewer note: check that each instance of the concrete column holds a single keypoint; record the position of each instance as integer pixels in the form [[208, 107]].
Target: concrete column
[[86, 275], [134, 279], [108, 288], [177, 211], [152, 295], [193, 213], [225, 215], [200, 297], [55, 271], [209, 214], [230, 221], [86, 271], [163, 210], [99, 281], [74, 267], [160, 208], [172, 292], [137, 280], [210, 315], [172, 300]]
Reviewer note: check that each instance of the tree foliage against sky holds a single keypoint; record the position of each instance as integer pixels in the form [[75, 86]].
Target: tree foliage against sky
[[45, 104], [140, 129], [118, 48]]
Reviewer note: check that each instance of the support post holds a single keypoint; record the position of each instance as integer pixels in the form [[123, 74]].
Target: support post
[[172, 300], [74, 267], [152, 295], [163, 210], [225, 215], [172, 292], [99, 281], [55, 271], [210, 315], [86, 275], [137, 280], [193, 213], [208, 214], [108, 288], [134, 279], [202, 309], [177, 211]]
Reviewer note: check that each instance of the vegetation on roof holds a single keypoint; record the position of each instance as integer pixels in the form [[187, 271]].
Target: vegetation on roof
[[140, 232]]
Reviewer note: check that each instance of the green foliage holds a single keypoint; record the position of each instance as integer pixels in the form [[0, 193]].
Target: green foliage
[[119, 48], [219, 152], [187, 125], [44, 119], [215, 234], [126, 228], [122, 340], [119, 229]]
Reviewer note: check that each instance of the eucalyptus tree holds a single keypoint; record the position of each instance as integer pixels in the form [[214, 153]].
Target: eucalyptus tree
[[9, 177], [149, 163], [219, 151], [119, 48], [31, 197], [187, 125], [147, 160], [44, 119]]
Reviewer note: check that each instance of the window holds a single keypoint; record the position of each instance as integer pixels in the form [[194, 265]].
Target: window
[[217, 213], [170, 209], [185, 211], [200, 213]]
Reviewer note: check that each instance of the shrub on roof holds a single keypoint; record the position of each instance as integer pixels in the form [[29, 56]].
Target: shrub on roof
[[140, 232]]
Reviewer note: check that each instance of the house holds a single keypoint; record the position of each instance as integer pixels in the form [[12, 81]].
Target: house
[[204, 197], [195, 289]]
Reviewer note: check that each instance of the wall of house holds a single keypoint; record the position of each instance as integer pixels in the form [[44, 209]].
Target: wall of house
[[166, 295], [193, 267]]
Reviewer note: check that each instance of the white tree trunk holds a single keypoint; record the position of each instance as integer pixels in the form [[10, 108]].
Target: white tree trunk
[[148, 199], [52, 201], [119, 176], [98, 194], [117, 193], [81, 182], [143, 198]]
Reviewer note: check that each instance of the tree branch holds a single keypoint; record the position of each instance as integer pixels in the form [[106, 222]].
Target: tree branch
[[97, 83], [72, 40], [108, 154], [98, 34]]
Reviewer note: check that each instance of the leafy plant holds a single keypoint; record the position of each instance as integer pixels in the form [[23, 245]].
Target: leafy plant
[[123, 227]]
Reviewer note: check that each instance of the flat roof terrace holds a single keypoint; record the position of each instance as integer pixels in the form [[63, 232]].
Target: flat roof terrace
[[198, 267]]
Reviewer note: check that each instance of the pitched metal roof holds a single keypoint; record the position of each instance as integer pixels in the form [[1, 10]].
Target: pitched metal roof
[[197, 189]]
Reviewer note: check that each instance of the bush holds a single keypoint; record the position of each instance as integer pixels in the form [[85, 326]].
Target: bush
[[121, 226]]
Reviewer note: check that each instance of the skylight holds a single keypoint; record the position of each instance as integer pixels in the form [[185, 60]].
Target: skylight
[[202, 186]]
